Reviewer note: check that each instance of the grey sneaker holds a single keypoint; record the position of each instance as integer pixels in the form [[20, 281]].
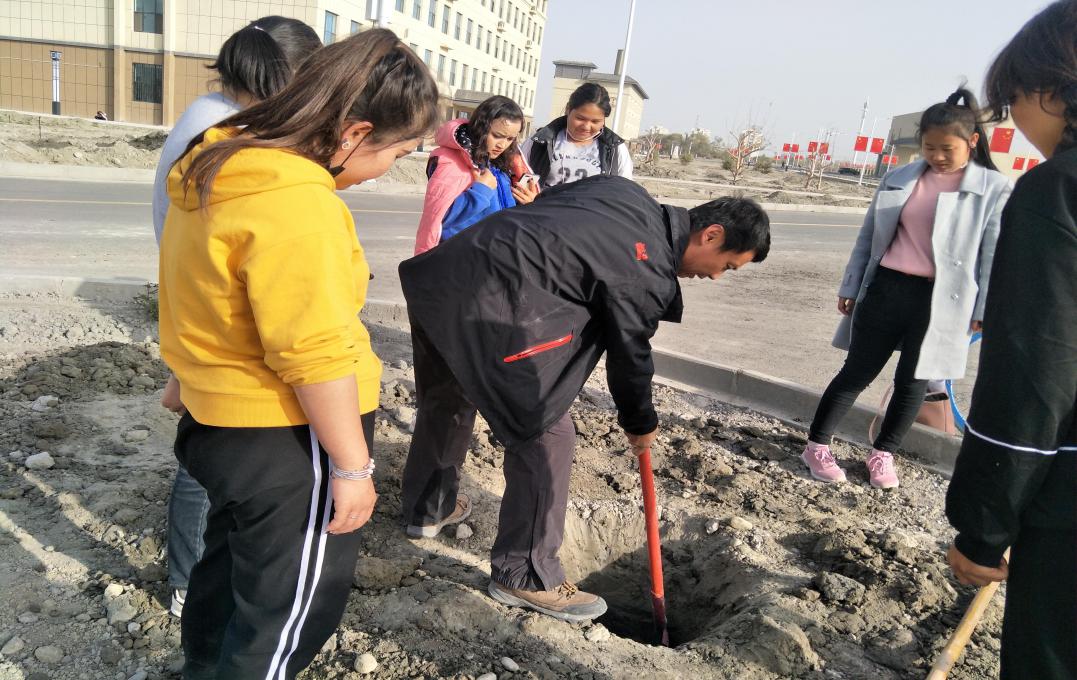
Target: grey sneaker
[[179, 595], [462, 512], [565, 602]]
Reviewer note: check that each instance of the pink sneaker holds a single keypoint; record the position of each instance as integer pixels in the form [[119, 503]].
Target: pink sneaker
[[821, 463], [881, 468]]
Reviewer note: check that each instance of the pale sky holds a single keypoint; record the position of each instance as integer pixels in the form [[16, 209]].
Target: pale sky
[[797, 65]]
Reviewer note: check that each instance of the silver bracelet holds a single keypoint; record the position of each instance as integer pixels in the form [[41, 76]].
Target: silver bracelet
[[366, 472]]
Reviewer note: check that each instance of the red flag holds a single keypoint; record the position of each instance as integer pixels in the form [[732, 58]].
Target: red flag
[[824, 148], [886, 160], [861, 144], [828, 157], [796, 148], [893, 160], [877, 144], [785, 148], [1019, 163], [1001, 139], [1033, 162], [813, 147]]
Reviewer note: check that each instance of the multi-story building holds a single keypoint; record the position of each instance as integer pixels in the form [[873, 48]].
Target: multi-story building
[[568, 75], [145, 60]]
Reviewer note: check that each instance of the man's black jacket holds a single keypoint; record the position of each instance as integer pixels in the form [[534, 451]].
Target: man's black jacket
[[1018, 461], [522, 305]]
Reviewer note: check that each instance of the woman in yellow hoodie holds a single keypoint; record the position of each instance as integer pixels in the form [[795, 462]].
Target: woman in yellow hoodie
[[262, 279]]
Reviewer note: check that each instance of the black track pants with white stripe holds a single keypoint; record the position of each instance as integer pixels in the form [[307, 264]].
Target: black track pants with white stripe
[[271, 585]]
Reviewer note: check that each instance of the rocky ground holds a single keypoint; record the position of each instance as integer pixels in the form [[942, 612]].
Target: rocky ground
[[768, 574]]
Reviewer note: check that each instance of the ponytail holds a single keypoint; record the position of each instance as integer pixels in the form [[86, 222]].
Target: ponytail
[[368, 77], [960, 114], [259, 59]]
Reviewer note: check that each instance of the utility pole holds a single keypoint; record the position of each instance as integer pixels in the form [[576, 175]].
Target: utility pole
[[860, 182], [860, 132], [624, 68]]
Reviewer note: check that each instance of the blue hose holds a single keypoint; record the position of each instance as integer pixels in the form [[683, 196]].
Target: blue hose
[[959, 419]]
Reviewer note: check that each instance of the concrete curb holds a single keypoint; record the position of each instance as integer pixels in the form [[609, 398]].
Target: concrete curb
[[96, 173], [781, 207], [78, 173], [105, 290], [782, 399]]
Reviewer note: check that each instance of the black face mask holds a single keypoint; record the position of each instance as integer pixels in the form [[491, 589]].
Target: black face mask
[[335, 170]]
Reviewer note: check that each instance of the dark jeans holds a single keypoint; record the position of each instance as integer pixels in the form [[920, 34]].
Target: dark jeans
[[271, 585], [532, 521], [895, 312], [1039, 627]]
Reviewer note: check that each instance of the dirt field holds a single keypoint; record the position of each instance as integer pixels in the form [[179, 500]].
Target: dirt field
[[769, 574], [30, 138], [666, 178]]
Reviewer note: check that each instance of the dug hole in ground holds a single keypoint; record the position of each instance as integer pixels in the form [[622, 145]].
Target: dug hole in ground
[[768, 573]]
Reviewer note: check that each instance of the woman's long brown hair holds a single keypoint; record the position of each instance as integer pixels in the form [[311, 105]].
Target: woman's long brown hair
[[370, 77]]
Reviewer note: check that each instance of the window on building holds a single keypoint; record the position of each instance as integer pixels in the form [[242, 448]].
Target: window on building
[[146, 86], [478, 39], [501, 10], [400, 6], [474, 79], [432, 17], [414, 48], [489, 40], [452, 73], [463, 75], [330, 33], [484, 81], [417, 10], [441, 67], [355, 27], [428, 58], [149, 16], [445, 14], [497, 46], [470, 27], [371, 9], [539, 39], [459, 25], [508, 17]]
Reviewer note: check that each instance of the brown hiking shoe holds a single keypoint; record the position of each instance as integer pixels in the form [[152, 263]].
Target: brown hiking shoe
[[565, 602], [462, 512]]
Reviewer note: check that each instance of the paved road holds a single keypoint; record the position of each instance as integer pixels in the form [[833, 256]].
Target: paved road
[[103, 230], [776, 317]]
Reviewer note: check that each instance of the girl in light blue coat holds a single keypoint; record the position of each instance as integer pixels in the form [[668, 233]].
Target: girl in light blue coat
[[916, 282]]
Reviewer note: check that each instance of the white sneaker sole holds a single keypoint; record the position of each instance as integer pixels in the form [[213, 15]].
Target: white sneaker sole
[[513, 601], [433, 530], [822, 479]]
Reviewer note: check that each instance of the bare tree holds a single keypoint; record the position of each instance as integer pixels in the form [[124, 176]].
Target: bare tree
[[819, 163], [747, 142]]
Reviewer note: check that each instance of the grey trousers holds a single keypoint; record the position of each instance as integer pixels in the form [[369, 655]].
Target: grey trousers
[[532, 521]]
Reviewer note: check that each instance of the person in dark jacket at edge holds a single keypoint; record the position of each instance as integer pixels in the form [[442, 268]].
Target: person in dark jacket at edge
[[510, 318], [1015, 480]]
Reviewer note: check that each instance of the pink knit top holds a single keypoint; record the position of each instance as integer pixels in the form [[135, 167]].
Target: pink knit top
[[910, 252]]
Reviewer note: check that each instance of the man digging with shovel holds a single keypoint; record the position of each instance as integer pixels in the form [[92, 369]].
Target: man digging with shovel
[[510, 318]]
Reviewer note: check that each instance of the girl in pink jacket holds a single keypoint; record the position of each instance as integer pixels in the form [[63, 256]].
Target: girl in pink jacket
[[471, 172]]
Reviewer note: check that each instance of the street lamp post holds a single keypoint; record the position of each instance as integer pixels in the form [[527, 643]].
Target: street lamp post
[[624, 68], [55, 82]]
